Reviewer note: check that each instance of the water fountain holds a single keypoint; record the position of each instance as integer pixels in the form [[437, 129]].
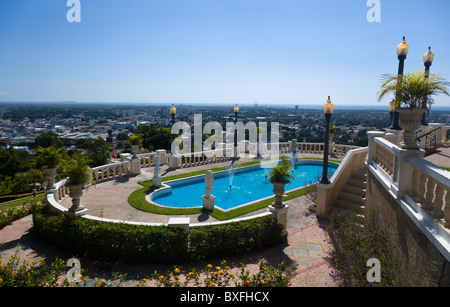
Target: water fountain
[[231, 172], [294, 154]]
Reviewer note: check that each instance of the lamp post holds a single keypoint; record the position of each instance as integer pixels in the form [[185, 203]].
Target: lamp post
[[173, 112], [236, 111], [402, 52], [391, 114], [328, 108], [428, 58]]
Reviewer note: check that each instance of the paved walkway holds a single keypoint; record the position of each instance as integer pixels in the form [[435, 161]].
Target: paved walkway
[[442, 157], [306, 243]]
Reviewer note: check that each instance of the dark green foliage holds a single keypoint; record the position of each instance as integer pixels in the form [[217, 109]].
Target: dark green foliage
[[154, 244]]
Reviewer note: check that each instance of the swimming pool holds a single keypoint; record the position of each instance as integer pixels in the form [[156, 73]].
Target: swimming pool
[[248, 184]]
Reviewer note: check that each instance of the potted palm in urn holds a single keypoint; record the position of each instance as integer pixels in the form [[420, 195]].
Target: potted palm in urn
[[279, 176], [49, 159], [135, 142], [79, 175], [413, 96]]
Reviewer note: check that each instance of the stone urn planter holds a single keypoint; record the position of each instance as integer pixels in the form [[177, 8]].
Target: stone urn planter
[[50, 175], [278, 190], [134, 151], [79, 175], [410, 121], [279, 176], [75, 192]]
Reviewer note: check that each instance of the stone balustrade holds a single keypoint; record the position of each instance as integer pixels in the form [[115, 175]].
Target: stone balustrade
[[205, 157], [147, 159], [61, 190], [410, 178], [110, 171], [429, 184]]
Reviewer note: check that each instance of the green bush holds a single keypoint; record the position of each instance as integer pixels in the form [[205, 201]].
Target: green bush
[[153, 244], [30, 273]]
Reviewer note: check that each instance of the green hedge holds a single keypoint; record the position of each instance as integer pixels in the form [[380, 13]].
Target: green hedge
[[153, 244]]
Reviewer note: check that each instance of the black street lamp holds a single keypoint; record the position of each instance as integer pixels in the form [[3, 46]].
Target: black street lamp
[[173, 112], [328, 108], [428, 58], [391, 114], [402, 52], [236, 111]]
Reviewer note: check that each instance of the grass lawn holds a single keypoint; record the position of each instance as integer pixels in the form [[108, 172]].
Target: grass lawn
[[21, 201], [137, 198]]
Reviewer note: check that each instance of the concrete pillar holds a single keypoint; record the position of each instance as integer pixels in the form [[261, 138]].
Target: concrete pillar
[[280, 214]]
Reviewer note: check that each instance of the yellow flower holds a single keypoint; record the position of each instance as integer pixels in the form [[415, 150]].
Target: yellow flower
[[177, 271], [209, 266], [227, 267], [212, 285], [217, 268], [103, 282], [161, 277], [144, 279]]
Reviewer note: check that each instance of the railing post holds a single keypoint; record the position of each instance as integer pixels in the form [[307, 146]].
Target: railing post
[[174, 161], [403, 171], [372, 151]]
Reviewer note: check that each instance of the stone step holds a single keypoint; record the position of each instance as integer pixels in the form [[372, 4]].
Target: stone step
[[353, 189], [361, 175], [358, 199], [356, 182]]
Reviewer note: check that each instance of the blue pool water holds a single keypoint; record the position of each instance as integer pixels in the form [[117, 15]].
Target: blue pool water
[[247, 186]]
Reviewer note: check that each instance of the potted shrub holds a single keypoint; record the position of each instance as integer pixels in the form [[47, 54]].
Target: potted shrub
[[135, 141], [49, 159], [413, 96], [279, 176], [79, 175]]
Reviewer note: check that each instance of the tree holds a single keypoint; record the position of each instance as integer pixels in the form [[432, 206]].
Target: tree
[[47, 139], [154, 138], [98, 151]]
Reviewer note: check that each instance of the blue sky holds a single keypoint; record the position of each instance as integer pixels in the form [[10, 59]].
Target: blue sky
[[214, 51]]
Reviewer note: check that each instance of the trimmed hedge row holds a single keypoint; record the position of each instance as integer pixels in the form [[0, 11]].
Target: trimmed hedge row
[[153, 244]]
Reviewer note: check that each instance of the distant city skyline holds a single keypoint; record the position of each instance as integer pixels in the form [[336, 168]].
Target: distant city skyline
[[215, 51]]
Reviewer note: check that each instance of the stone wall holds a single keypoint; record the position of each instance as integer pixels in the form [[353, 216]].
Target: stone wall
[[422, 264]]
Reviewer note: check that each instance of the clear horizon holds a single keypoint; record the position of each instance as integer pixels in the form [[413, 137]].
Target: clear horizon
[[215, 52]]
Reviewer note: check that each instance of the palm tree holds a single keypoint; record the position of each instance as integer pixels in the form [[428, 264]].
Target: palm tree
[[414, 90], [413, 96], [282, 172]]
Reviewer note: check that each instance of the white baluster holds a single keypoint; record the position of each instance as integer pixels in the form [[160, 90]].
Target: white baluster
[[447, 209], [430, 194], [438, 213]]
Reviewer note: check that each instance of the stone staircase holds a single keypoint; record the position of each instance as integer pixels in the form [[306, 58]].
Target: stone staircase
[[352, 196]]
